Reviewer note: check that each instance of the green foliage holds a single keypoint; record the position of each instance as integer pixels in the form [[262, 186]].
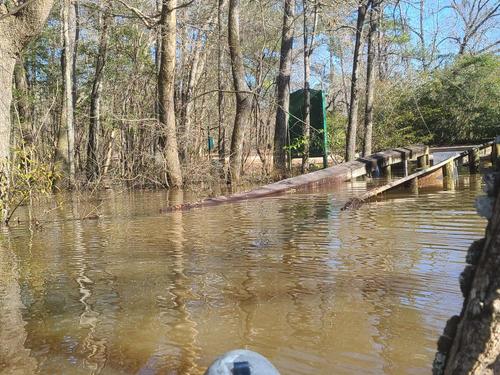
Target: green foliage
[[336, 123], [30, 178], [296, 146], [457, 104]]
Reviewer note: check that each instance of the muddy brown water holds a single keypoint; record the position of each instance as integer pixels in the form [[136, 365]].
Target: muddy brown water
[[315, 289]]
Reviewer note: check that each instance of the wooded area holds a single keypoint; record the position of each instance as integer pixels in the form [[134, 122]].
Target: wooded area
[[187, 93]]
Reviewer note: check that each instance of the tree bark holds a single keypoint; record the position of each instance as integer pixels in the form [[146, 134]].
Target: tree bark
[[166, 90], [306, 126], [421, 35], [243, 97], [7, 64], [370, 78], [283, 90], [76, 12], [352, 124], [470, 343], [16, 30], [95, 99], [66, 137], [221, 144], [22, 104], [197, 65]]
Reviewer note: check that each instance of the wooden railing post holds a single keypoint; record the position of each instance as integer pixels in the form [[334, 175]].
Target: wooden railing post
[[495, 153], [387, 169], [414, 185], [424, 160], [474, 160], [449, 169], [449, 175]]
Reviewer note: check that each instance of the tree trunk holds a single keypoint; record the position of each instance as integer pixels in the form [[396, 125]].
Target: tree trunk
[[166, 90], [283, 90], [221, 144], [187, 102], [16, 30], [243, 97], [370, 78], [421, 35], [95, 99], [7, 63], [66, 137], [76, 6], [306, 126], [197, 65], [352, 124], [470, 343], [23, 106]]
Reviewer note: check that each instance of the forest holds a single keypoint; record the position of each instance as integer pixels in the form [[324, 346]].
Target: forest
[[191, 93]]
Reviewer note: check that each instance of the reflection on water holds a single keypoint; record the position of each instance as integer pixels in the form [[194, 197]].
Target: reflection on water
[[315, 289]]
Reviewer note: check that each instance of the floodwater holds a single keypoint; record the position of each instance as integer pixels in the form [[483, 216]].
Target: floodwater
[[315, 289]]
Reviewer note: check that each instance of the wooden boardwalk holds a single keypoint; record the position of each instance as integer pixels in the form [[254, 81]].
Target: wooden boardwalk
[[329, 176], [442, 173]]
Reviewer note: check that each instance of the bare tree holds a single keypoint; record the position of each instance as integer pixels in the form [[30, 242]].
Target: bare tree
[[166, 90], [23, 103], [370, 76], [95, 97], [421, 34], [283, 89], [475, 16], [243, 97], [221, 144], [308, 49], [196, 66], [352, 124], [18, 25], [76, 13], [66, 137]]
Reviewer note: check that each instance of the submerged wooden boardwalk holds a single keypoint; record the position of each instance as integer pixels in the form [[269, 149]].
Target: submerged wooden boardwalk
[[444, 172], [380, 161]]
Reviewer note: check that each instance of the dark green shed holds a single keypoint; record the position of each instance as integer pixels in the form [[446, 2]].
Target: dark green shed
[[318, 143]]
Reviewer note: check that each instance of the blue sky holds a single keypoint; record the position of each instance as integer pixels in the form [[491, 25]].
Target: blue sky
[[441, 24]]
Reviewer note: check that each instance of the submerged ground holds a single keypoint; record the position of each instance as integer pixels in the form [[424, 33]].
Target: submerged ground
[[315, 289]]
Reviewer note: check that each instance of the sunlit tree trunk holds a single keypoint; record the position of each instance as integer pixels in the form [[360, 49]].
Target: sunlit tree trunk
[[352, 124], [166, 90], [220, 86], [421, 35], [196, 68], [16, 30], [243, 97], [22, 104], [283, 89], [370, 78], [306, 126], [76, 6], [66, 137], [95, 99]]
